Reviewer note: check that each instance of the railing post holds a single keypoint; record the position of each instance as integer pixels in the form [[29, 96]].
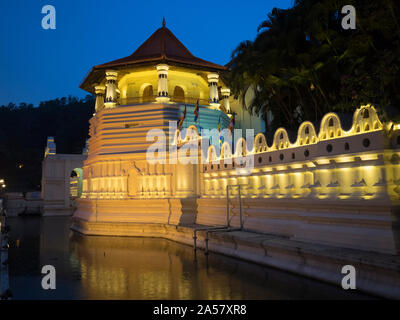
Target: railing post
[[194, 240], [240, 209], [227, 206]]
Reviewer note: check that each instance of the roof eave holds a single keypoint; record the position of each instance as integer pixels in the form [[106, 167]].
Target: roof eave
[[207, 66]]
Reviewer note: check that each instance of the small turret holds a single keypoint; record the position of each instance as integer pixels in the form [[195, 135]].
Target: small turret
[[51, 147], [85, 150]]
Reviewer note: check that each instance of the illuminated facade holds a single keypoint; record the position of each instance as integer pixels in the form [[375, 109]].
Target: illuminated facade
[[58, 188], [333, 187]]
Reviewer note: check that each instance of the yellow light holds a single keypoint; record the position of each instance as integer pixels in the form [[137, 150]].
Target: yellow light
[[368, 157], [323, 161], [344, 159], [369, 196]]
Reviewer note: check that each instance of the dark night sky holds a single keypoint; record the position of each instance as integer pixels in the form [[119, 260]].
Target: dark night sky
[[38, 64]]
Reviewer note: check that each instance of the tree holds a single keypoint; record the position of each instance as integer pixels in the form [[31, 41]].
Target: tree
[[24, 130], [303, 64]]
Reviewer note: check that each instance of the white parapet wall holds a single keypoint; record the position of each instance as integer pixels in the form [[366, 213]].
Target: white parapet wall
[[333, 187], [338, 187]]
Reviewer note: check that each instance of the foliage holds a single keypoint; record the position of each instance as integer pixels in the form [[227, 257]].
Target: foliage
[[303, 64], [24, 130]]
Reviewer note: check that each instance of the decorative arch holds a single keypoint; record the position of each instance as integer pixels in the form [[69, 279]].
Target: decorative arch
[[143, 87], [330, 127], [260, 143], [241, 147], [306, 134], [226, 151], [177, 137], [281, 139], [179, 94], [148, 94], [190, 132], [211, 154], [366, 119], [193, 129]]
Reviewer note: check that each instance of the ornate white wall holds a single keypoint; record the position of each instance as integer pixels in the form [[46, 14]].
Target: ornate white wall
[[56, 173], [336, 187]]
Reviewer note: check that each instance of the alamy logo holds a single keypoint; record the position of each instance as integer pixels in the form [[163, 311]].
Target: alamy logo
[[49, 20], [49, 280], [349, 20], [349, 280], [202, 148]]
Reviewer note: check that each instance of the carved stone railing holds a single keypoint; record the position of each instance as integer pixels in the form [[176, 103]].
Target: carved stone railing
[[361, 163]]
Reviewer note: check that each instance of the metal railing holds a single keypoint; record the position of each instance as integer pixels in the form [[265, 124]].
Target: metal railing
[[228, 218], [227, 228]]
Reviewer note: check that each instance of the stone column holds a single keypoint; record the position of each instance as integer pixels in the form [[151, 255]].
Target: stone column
[[111, 92], [99, 90], [162, 93], [226, 92], [213, 84]]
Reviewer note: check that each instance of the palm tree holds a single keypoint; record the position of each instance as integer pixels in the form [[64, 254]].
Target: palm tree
[[303, 59]]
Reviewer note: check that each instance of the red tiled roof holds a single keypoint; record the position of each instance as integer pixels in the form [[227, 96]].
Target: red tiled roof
[[162, 46]]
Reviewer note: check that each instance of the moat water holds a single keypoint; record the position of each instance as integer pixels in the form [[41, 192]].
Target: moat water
[[94, 267]]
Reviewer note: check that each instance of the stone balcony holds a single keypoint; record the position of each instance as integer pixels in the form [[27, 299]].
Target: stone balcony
[[151, 99]]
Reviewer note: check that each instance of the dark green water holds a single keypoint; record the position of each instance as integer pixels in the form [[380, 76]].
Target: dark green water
[[140, 268]]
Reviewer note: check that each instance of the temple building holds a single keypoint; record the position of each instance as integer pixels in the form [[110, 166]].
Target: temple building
[[352, 170], [150, 89], [297, 204], [162, 71]]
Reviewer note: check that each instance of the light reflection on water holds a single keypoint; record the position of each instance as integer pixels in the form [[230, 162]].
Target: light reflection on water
[[91, 267]]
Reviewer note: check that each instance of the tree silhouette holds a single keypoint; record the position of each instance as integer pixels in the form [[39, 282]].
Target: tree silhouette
[[303, 64], [24, 130]]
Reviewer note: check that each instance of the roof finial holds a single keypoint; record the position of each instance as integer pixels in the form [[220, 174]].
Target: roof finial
[[163, 21]]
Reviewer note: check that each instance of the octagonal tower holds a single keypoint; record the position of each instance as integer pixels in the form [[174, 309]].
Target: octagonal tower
[[150, 89]]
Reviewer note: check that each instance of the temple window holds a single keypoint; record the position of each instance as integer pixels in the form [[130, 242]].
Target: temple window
[[148, 93], [179, 94]]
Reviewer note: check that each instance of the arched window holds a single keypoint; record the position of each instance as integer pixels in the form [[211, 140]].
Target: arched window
[[179, 94], [75, 181], [148, 93]]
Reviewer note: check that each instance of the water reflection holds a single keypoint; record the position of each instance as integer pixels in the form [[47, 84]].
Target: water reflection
[[140, 268]]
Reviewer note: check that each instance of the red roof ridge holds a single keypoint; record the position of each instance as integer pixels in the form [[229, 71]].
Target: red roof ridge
[[161, 47]]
